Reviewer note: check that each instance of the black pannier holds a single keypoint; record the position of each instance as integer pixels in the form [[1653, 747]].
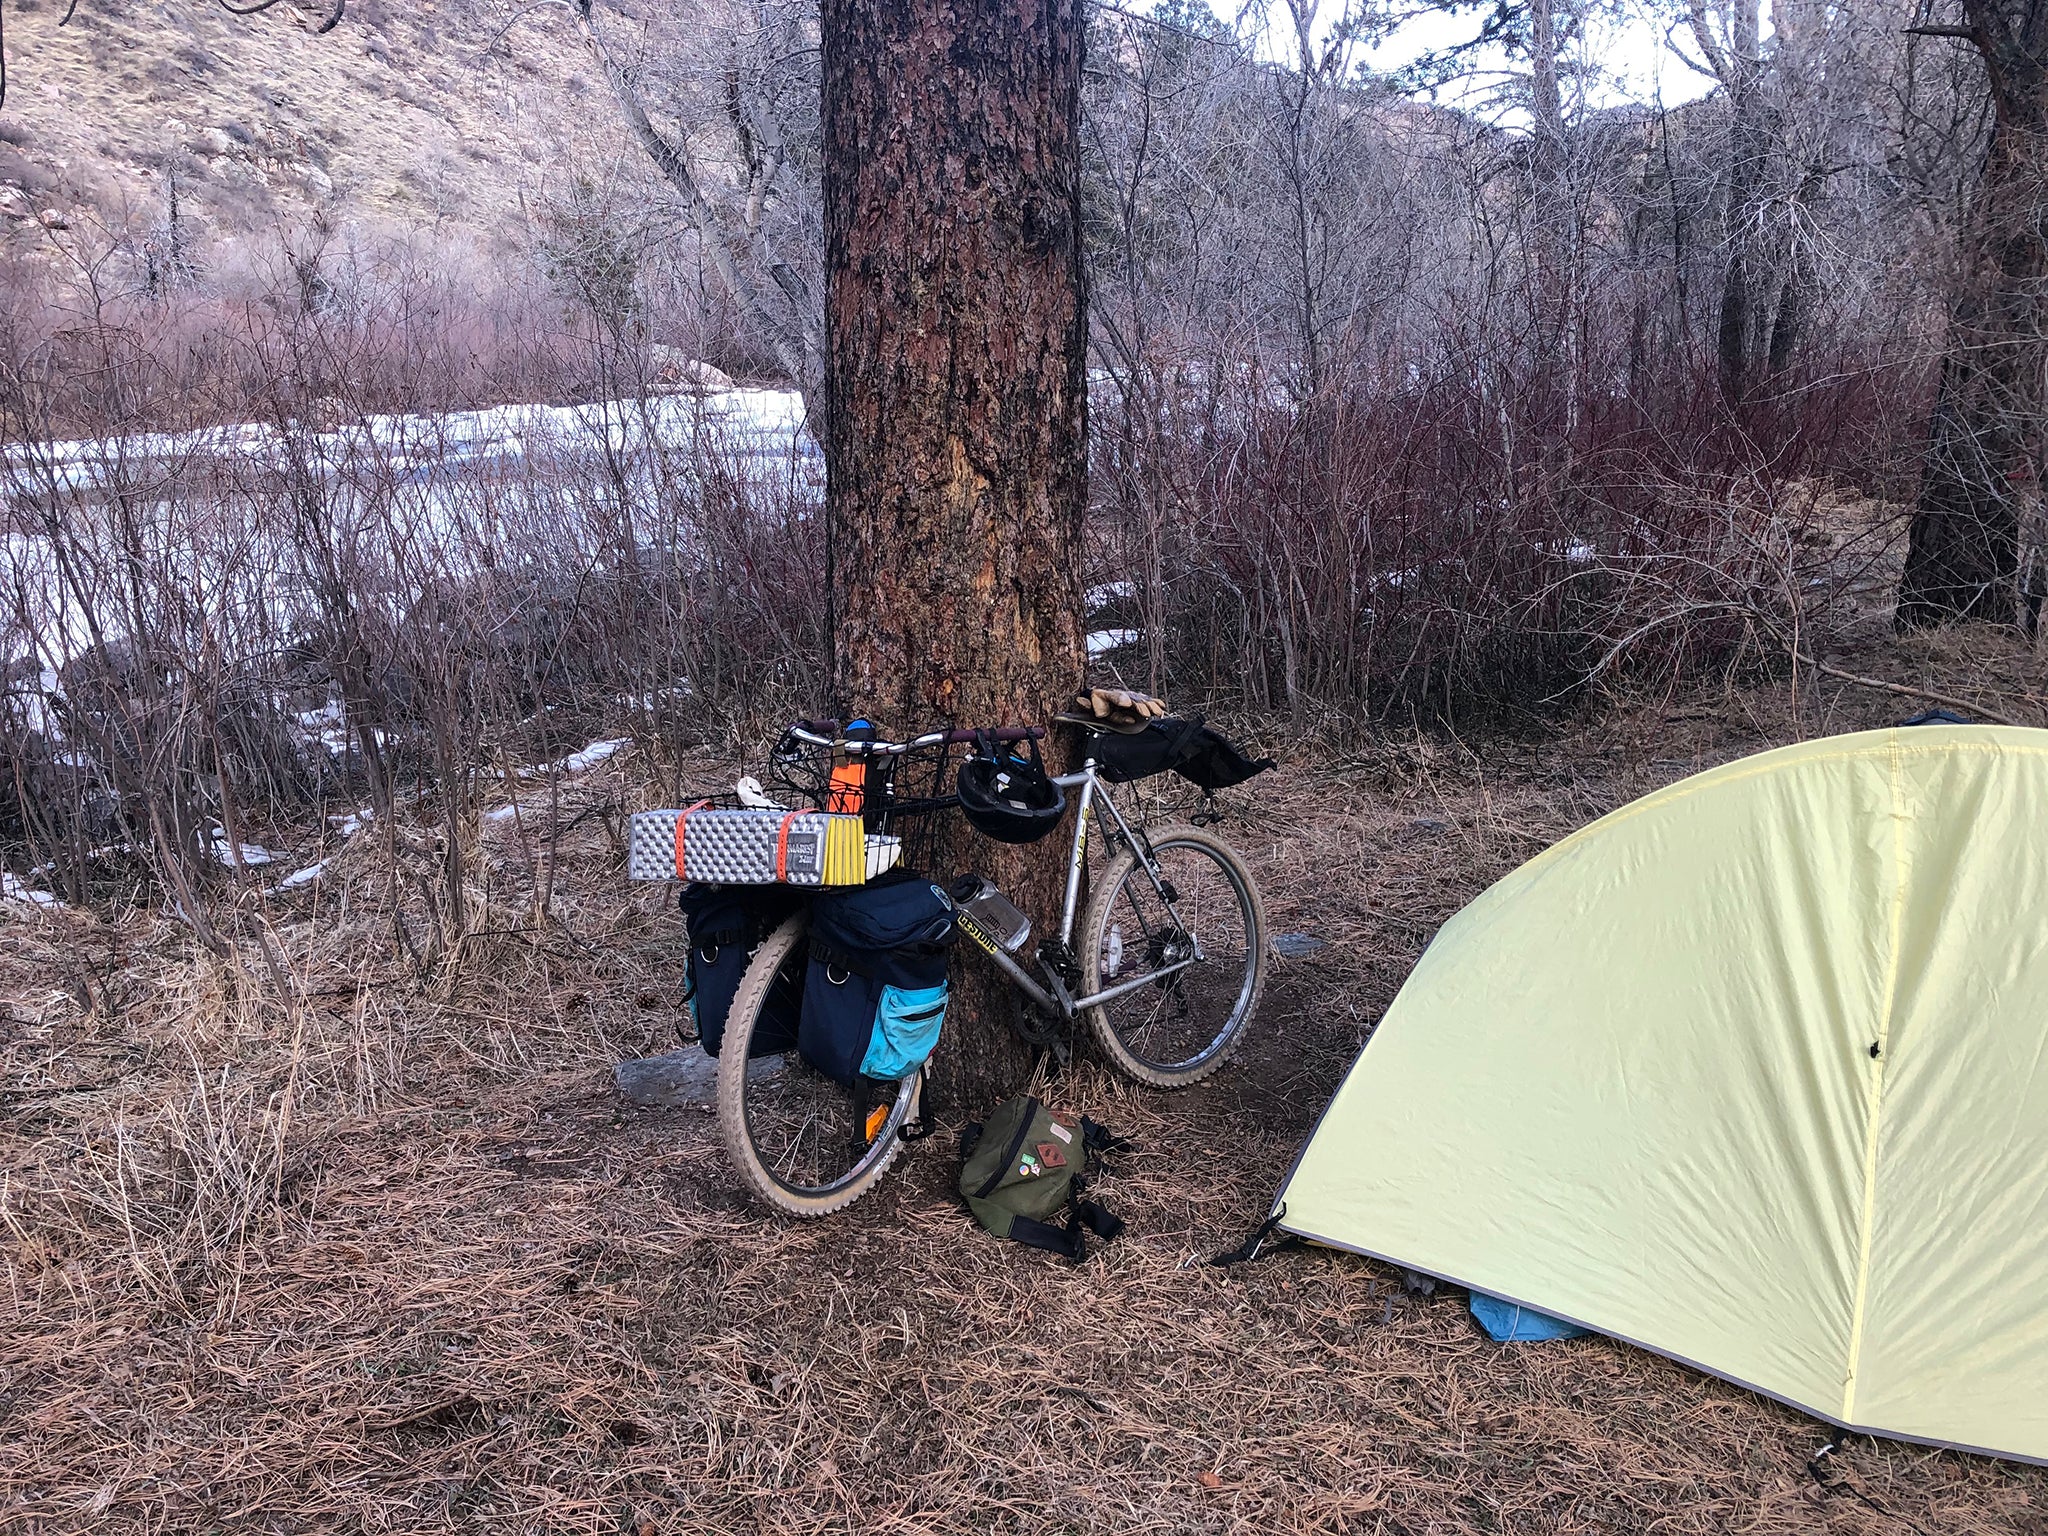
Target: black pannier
[[1191, 748], [727, 923], [875, 992]]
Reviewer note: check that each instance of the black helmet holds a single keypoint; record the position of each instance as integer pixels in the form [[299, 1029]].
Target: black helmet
[[1007, 797]]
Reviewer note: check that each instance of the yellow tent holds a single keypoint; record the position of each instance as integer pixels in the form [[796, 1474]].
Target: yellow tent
[[1752, 1072]]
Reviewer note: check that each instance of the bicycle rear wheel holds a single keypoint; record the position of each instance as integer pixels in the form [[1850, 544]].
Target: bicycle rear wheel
[[802, 1142], [1204, 910]]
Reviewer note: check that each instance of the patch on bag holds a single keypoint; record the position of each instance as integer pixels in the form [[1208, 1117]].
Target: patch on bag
[[1028, 1166], [1062, 1132], [1050, 1154]]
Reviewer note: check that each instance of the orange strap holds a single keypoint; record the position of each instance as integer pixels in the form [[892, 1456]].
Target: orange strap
[[681, 822], [782, 848]]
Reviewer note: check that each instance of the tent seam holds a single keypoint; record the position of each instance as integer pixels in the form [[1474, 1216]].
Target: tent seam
[[1874, 1098]]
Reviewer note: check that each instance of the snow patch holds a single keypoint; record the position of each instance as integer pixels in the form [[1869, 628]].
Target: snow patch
[[225, 850], [595, 753], [579, 762], [1573, 551], [1103, 641], [654, 698], [327, 726], [298, 879], [13, 889], [352, 823]]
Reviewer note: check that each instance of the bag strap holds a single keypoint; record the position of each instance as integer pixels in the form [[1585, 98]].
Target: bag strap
[[1100, 1140], [682, 825], [829, 955], [1071, 1240], [924, 1125], [1016, 1145], [1102, 1223], [1066, 1241], [1191, 727], [782, 846]]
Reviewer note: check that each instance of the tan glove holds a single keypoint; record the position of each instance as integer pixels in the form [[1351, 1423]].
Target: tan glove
[[1103, 703]]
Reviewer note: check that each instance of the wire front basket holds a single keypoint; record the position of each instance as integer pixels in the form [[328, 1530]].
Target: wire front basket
[[905, 796]]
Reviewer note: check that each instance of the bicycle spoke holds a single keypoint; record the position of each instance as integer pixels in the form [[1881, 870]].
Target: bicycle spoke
[[1203, 937], [808, 1133]]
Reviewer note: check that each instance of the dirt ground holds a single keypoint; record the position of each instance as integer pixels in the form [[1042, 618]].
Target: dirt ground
[[290, 1245]]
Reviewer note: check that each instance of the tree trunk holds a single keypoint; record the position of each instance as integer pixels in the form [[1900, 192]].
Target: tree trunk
[[1551, 205], [1750, 137], [1752, 132], [1962, 554], [1788, 326], [956, 392]]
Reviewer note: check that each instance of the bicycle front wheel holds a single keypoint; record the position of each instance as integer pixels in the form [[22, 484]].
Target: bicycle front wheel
[[1196, 919], [801, 1141]]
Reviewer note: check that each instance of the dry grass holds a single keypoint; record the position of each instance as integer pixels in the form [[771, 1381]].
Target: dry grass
[[286, 1245]]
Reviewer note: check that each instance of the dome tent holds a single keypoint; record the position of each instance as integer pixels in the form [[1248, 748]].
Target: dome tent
[[1752, 1072]]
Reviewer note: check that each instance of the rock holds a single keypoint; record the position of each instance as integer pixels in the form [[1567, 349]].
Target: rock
[[50, 218], [673, 368], [680, 1078], [1293, 946]]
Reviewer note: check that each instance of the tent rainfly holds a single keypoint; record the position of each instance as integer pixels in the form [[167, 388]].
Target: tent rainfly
[[1752, 1072]]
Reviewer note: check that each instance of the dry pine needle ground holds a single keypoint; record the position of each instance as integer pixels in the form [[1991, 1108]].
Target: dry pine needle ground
[[288, 1244]]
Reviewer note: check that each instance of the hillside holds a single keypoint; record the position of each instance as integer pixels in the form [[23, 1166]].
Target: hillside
[[391, 118]]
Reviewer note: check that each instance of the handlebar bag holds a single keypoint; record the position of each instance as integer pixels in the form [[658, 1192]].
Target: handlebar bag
[[876, 989], [727, 924]]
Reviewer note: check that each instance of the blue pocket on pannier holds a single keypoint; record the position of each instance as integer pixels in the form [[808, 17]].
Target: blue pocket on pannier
[[907, 1022], [875, 991], [727, 924]]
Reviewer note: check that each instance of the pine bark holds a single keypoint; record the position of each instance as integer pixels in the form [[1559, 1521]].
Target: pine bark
[[956, 394], [1962, 556]]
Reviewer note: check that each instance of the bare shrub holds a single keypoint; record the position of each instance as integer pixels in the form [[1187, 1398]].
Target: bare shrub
[[1429, 548], [250, 590]]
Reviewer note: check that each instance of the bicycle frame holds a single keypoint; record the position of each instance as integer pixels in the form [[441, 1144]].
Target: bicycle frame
[[1055, 997]]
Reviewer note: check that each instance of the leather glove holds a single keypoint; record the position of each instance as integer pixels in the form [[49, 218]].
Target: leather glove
[[1103, 703]]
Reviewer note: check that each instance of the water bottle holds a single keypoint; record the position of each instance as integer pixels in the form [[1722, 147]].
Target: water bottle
[[992, 913]]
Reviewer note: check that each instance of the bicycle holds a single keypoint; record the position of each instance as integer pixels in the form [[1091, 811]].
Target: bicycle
[[1170, 963]]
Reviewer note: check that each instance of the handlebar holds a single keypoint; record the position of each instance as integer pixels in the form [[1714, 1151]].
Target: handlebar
[[825, 733]]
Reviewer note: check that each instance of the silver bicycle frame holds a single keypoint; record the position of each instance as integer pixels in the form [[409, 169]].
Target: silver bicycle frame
[[1059, 1000]]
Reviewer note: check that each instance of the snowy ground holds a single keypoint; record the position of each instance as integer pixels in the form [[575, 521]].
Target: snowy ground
[[759, 422], [454, 484]]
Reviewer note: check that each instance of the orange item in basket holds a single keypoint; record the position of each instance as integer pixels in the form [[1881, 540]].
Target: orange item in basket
[[847, 788]]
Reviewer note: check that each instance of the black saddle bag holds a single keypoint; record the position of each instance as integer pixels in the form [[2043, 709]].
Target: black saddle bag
[[1191, 748]]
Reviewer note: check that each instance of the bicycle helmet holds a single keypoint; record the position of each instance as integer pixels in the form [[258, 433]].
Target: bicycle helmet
[[1009, 797]]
